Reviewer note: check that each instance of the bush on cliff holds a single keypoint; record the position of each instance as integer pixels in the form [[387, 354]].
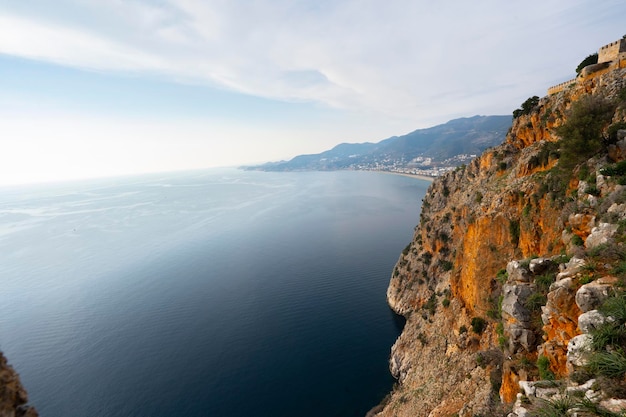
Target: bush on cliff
[[527, 106], [581, 134], [590, 60]]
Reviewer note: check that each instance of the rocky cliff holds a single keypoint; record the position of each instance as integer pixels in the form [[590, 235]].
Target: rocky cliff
[[512, 251], [13, 397]]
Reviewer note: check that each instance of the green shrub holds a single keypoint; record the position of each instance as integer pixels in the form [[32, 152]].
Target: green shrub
[[543, 365], [619, 269], [618, 169], [556, 407], [478, 325], [544, 281], [446, 302], [446, 265], [431, 304], [535, 301], [590, 60], [609, 334], [589, 407], [502, 276], [610, 364], [615, 307], [527, 106], [593, 190], [612, 131], [585, 279], [463, 329], [582, 131], [577, 241]]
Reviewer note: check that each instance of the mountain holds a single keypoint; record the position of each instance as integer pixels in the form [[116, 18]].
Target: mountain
[[514, 284], [435, 145]]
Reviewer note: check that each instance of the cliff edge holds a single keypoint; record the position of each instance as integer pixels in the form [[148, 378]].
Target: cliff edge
[[515, 254], [13, 397]]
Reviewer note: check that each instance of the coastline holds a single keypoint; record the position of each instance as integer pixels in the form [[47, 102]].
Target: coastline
[[404, 174]]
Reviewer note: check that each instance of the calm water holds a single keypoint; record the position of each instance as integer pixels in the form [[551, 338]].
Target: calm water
[[216, 293]]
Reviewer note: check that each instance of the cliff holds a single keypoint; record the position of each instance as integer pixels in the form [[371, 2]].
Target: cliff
[[510, 251], [13, 397]]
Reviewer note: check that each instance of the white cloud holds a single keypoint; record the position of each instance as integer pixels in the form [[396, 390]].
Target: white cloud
[[406, 59]]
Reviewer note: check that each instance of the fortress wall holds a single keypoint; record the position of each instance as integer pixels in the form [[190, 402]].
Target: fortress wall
[[560, 87], [611, 51]]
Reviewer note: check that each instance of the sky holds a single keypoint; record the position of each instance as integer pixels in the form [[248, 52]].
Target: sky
[[93, 88]]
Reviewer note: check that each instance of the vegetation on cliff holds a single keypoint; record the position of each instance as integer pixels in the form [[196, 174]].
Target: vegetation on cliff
[[515, 255]]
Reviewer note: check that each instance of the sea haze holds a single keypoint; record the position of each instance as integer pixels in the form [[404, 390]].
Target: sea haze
[[215, 293]]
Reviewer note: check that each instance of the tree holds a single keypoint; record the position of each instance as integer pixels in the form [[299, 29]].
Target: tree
[[590, 60]]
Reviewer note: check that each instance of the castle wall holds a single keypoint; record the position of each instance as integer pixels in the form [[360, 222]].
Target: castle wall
[[611, 51], [613, 56], [560, 87]]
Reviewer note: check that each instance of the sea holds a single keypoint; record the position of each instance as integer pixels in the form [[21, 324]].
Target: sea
[[221, 292]]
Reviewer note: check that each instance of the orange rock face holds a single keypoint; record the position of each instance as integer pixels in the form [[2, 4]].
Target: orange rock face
[[453, 355]]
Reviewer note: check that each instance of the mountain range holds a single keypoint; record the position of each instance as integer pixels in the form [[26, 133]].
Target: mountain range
[[448, 144]]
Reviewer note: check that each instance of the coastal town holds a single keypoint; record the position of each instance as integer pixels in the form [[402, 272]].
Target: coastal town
[[422, 166]]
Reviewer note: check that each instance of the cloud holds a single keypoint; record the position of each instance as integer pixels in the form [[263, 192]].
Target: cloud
[[405, 59]]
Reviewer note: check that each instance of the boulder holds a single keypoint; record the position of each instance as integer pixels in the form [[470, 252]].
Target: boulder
[[591, 320], [591, 296], [540, 265], [600, 235], [577, 350], [571, 268], [514, 299], [581, 224], [618, 209], [520, 337], [517, 272]]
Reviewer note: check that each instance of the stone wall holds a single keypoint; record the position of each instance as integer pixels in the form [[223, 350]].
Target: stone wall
[[611, 51], [613, 56]]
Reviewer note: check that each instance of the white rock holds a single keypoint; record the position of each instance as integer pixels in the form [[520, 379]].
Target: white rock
[[591, 320], [571, 268], [590, 296], [600, 235], [581, 388], [577, 349], [528, 387], [517, 272]]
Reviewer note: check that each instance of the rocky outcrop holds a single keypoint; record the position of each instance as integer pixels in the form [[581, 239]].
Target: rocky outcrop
[[13, 396], [509, 252]]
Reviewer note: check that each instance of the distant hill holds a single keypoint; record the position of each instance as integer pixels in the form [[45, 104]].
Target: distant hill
[[434, 146]]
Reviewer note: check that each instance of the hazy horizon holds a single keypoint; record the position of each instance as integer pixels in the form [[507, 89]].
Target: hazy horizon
[[96, 89]]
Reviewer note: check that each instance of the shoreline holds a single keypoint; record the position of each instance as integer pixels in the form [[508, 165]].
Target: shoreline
[[404, 174]]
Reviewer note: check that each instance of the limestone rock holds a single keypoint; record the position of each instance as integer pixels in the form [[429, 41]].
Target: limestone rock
[[617, 152], [600, 235], [540, 265], [614, 405], [517, 272], [514, 298], [582, 224], [583, 388], [560, 318], [577, 349], [590, 296], [571, 268], [618, 209], [520, 337], [591, 320]]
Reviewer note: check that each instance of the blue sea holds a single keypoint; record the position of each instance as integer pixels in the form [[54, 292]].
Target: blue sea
[[209, 293]]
